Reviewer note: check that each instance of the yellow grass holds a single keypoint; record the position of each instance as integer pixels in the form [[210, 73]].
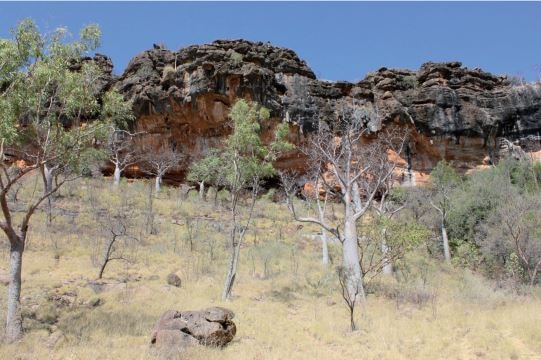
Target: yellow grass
[[295, 313]]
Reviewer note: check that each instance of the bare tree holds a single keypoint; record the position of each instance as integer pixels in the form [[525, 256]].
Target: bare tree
[[321, 209], [116, 225], [318, 195], [122, 152], [358, 168], [192, 225], [159, 162], [349, 297]]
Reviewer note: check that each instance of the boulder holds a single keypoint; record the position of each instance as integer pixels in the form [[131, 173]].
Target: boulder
[[180, 329], [174, 280]]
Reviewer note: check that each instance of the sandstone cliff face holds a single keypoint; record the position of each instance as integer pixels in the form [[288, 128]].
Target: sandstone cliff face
[[455, 113]]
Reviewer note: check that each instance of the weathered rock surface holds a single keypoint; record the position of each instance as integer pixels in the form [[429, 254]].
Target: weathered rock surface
[[456, 113], [180, 329]]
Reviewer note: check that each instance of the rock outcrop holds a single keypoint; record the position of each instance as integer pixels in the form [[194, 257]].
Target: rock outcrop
[[180, 329], [460, 114]]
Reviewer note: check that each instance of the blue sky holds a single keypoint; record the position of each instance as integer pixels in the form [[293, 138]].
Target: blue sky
[[340, 41]]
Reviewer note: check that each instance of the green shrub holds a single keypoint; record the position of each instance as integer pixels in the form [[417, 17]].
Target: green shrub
[[168, 72], [236, 58]]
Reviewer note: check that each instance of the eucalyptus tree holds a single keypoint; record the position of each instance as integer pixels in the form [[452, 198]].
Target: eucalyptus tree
[[207, 171], [244, 161], [46, 102]]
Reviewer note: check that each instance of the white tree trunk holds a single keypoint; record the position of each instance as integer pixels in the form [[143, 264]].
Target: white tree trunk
[[47, 188], [48, 179], [233, 265], [387, 264], [324, 248], [324, 239], [350, 254], [202, 190], [158, 183], [14, 328], [445, 239], [410, 179], [356, 194], [116, 175]]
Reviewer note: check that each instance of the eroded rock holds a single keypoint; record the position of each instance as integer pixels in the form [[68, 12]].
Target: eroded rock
[[182, 98], [179, 329]]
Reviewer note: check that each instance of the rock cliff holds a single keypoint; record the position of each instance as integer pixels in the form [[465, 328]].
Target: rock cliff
[[456, 113]]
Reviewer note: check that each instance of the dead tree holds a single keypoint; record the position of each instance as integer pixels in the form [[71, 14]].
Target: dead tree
[[122, 152], [317, 195], [159, 162], [116, 224], [355, 172], [349, 298], [386, 208]]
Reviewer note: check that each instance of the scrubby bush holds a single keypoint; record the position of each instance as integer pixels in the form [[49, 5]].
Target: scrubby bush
[[168, 71], [491, 217]]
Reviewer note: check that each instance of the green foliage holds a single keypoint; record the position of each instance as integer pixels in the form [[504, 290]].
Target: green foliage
[[244, 158], [473, 202], [513, 267], [524, 175], [145, 71], [492, 217], [409, 81], [236, 58], [467, 255], [116, 111], [48, 93], [444, 181], [444, 176], [90, 36], [168, 71], [404, 234], [44, 92], [207, 170], [8, 122], [399, 235], [398, 195]]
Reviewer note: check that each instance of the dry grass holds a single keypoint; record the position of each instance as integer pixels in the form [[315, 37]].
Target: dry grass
[[294, 311]]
